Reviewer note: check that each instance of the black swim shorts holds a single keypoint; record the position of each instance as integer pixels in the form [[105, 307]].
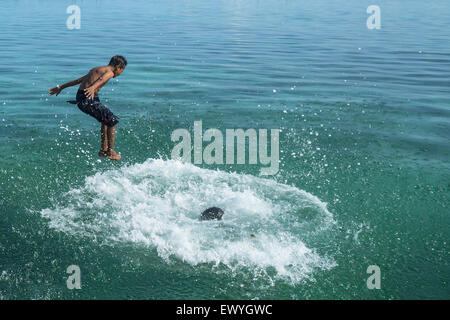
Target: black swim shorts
[[96, 109]]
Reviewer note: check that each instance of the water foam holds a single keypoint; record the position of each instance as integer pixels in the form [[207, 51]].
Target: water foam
[[157, 204]]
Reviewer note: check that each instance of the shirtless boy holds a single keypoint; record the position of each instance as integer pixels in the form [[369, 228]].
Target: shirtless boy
[[88, 101]]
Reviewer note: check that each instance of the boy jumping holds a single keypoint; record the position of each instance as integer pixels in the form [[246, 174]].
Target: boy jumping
[[88, 101]]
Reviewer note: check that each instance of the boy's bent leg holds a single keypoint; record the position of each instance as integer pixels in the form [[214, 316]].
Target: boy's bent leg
[[104, 147], [111, 135], [108, 130]]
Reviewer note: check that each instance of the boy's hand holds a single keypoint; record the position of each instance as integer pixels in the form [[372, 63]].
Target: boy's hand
[[89, 92], [56, 90]]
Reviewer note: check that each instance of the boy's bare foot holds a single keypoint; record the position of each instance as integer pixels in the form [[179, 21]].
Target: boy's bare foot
[[103, 153], [111, 154]]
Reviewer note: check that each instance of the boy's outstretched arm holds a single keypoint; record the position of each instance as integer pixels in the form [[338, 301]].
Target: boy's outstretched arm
[[56, 90]]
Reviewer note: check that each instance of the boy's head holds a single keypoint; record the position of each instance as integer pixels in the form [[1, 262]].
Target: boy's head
[[118, 63]]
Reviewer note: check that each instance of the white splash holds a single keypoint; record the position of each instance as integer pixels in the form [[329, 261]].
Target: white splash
[[157, 204]]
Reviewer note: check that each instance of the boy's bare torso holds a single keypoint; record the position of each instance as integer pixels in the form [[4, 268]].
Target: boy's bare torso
[[95, 75]]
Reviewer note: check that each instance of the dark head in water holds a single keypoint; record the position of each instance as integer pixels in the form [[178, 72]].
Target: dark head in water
[[212, 213]]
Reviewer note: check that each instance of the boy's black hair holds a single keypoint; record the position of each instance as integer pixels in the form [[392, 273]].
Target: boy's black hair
[[118, 61]]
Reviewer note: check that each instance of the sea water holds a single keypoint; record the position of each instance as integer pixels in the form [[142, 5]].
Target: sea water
[[363, 179]]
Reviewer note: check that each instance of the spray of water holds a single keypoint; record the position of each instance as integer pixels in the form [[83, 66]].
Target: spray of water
[[157, 204]]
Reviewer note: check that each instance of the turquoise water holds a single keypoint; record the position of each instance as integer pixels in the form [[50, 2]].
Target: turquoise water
[[364, 151]]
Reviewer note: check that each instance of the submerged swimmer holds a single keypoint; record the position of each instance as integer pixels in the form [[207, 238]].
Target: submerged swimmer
[[212, 213], [215, 213], [88, 101]]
